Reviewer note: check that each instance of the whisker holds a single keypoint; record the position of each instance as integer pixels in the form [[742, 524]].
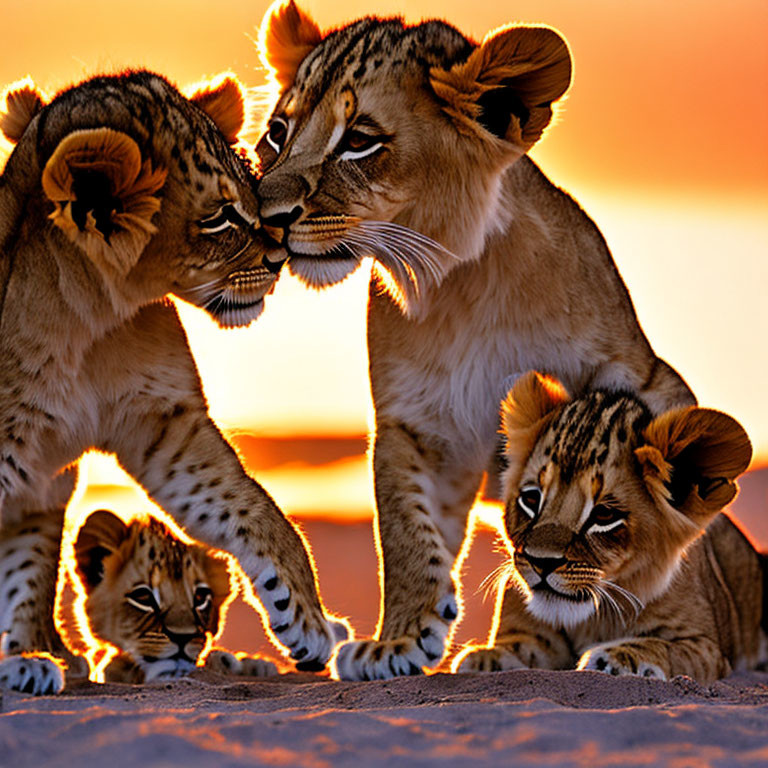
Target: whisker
[[496, 579], [633, 601]]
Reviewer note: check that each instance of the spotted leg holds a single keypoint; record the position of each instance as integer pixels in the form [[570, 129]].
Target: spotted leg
[[160, 430], [697, 656], [423, 497], [34, 656]]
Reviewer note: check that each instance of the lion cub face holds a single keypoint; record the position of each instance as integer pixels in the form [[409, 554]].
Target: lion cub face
[[601, 500], [393, 123], [150, 595], [144, 186]]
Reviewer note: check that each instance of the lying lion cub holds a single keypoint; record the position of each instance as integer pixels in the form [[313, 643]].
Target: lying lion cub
[[156, 599], [622, 563]]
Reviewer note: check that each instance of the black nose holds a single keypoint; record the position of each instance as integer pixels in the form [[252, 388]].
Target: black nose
[[181, 639], [283, 220], [544, 565]]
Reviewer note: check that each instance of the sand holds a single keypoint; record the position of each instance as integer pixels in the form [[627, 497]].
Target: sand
[[521, 718]]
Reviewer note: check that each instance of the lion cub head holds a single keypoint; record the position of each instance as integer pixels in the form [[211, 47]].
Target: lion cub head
[[411, 125], [602, 500], [155, 598], [136, 191]]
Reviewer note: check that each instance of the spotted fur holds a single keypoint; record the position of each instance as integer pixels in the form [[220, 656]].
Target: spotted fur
[[621, 561], [159, 601], [421, 128], [119, 192]]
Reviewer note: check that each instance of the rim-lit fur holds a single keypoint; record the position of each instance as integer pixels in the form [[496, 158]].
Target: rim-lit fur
[[620, 550], [119, 192], [445, 122]]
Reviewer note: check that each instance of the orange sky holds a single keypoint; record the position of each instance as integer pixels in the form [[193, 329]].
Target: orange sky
[[663, 139]]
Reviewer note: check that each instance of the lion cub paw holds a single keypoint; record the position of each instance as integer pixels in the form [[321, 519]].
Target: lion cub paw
[[309, 635], [486, 660], [39, 675], [619, 661], [226, 663], [384, 659]]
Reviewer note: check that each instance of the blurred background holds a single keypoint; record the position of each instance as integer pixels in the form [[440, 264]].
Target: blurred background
[[663, 139]]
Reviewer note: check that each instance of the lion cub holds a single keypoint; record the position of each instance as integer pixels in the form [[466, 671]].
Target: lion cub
[[622, 562], [420, 129], [156, 599]]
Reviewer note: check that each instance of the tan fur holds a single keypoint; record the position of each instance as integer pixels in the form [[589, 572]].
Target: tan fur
[[191, 588], [624, 565], [528, 284], [287, 36], [222, 99], [23, 101], [119, 192], [534, 61]]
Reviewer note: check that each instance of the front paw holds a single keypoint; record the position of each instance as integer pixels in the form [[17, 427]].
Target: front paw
[[385, 659], [226, 663], [619, 661], [309, 635], [39, 675], [475, 659]]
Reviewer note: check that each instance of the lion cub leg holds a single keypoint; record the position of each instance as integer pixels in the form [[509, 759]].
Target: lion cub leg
[[29, 556], [519, 642], [156, 421], [698, 657], [423, 499], [193, 473]]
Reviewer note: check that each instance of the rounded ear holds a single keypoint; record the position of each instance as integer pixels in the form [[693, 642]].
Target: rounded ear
[[23, 100], [286, 36], [507, 85], [104, 195], [525, 410], [692, 458], [101, 535], [223, 101]]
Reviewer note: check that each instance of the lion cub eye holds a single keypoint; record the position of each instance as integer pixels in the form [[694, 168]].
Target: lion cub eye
[[277, 133], [143, 598], [529, 500], [356, 144], [604, 518], [229, 215], [203, 597]]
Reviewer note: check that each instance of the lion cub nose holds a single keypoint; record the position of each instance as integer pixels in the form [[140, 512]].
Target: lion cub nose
[[283, 219], [544, 565]]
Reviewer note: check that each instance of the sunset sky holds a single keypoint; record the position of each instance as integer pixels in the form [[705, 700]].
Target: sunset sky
[[663, 139]]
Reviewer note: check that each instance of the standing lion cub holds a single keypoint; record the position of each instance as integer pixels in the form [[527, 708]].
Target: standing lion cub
[[119, 192], [419, 128]]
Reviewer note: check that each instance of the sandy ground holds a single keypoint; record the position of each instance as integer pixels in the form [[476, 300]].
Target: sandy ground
[[521, 718]]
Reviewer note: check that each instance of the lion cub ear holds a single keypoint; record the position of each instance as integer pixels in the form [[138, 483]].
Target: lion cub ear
[[104, 195], [526, 410], [23, 101], [223, 101], [286, 36], [692, 458], [101, 535], [507, 85]]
